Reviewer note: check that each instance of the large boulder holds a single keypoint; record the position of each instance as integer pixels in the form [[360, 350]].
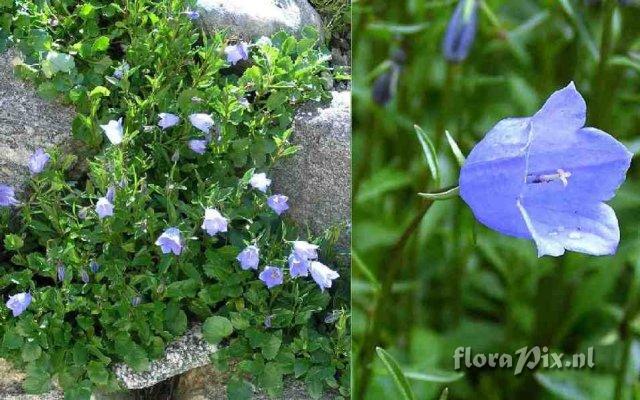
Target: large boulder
[[26, 122], [250, 19], [317, 178]]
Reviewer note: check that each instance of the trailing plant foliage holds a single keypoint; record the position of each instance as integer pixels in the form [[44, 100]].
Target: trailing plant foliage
[[102, 291]]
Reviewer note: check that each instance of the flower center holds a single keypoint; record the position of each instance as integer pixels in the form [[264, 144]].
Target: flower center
[[560, 175]]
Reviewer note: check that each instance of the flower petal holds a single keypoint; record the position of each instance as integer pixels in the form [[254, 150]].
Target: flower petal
[[594, 161], [589, 229], [486, 179], [565, 111]]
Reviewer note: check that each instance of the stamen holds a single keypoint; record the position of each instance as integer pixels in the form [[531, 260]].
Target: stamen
[[561, 175]]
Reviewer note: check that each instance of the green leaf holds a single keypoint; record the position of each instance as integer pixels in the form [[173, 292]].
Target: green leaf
[[57, 62], [435, 376], [37, 380], [239, 389], [13, 242], [184, 288], [31, 351], [398, 377], [445, 194], [99, 91], [271, 348], [455, 149], [98, 373], [429, 152], [100, 44], [175, 319], [216, 328]]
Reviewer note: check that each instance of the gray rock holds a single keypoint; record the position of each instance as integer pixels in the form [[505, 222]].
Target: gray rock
[[189, 352], [26, 122], [317, 178], [255, 18]]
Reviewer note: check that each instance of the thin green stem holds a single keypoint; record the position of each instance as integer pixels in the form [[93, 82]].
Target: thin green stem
[[372, 336], [631, 310], [601, 96]]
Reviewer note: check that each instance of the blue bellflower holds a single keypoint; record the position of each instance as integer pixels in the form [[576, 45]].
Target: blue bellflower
[[198, 146], [546, 178], [170, 241], [237, 52], [298, 266], [278, 203], [271, 276], [260, 182], [104, 208], [322, 274], [214, 222], [38, 161], [7, 196], [249, 258], [461, 31], [167, 120], [18, 303]]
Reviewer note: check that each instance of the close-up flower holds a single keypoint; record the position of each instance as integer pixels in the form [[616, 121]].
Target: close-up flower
[[104, 208], [170, 241], [167, 120], [7, 196], [298, 266], [271, 276], [114, 131], [278, 203], [202, 122], [305, 250], [18, 303], [322, 275], [260, 182], [237, 52], [214, 222], [249, 258], [198, 146], [38, 161], [547, 178]]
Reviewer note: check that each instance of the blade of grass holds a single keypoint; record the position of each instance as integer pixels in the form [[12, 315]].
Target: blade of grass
[[429, 152], [443, 195], [398, 377]]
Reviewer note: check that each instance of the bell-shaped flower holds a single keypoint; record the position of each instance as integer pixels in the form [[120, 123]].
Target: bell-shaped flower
[[114, 131], [38, 161], [198, 146], [192, 15], [18, 303], [202, 122], [111, 193], [546, 178], [249, 258], [278, 203], [237, 53], [7, 196], [170, 241], [168, 120], [322, 274], [260, 182], [298, 266], [104, 208], [271, 276], [84, 276], [461, 31], [214, 222], [62, 272], [305, 250], [94, 266]]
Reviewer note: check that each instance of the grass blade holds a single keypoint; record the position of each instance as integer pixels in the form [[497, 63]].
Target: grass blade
[[460, 158], [445, 194], [398, 377], [429, 152]]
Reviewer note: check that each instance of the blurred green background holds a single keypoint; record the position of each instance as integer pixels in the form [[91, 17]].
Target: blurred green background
[[451, 282]]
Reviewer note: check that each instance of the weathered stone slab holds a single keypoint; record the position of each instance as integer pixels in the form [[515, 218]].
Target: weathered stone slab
[[26, 122], [317, 178], [255, 18], [189, 352]]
